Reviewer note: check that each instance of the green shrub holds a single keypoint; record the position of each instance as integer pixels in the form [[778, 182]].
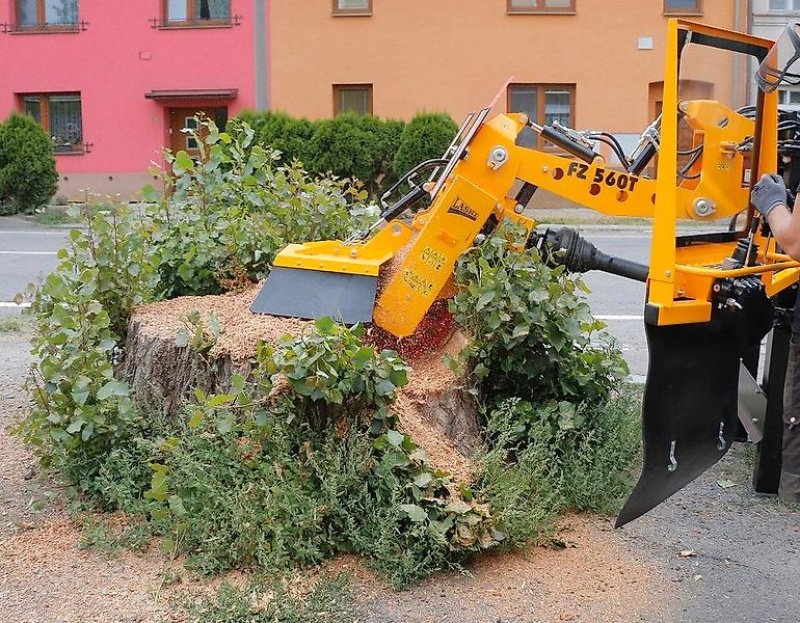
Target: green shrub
[[346, 147], [231, 211], [28, 177], [79, 411], [279, 131], [558, 434], [426, 136], [349, 146], [254, 480]]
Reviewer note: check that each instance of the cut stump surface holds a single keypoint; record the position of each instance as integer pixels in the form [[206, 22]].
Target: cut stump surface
[[433, 408]]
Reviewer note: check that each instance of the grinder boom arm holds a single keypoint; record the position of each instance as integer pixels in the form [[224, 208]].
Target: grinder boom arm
[[707, 295]]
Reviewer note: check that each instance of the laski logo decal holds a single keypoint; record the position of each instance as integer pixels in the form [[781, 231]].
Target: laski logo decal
[[462, 209]]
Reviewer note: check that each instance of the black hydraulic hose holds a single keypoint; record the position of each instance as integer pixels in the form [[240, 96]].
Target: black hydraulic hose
[[402, 204]]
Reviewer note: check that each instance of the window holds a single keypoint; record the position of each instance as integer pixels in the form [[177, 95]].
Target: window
[[32, 14], [356, 98], [196, 12], [540, 6], [789, 97], [60, 116], [544, 104], [784, 5], [352, 7], [682, 7]]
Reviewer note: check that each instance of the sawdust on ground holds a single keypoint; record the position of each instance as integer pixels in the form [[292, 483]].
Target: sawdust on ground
[[593, 576], [45, 577]]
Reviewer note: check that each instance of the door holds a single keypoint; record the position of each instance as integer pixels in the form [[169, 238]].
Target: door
[[181, 119]]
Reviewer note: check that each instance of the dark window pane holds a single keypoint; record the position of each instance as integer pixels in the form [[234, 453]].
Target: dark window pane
[[354, 100], [65, 122], [212, 9], [683, 5], [32, 105], [26, 13], [524, 99], [63, 12]]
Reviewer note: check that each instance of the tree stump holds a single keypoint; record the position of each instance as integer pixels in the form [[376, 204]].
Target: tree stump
[[433, 408]]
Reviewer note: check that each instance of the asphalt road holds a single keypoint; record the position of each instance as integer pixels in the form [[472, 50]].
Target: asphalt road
[[28, 254]]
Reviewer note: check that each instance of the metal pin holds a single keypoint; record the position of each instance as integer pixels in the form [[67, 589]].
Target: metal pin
[[673, 463], [721, 443]]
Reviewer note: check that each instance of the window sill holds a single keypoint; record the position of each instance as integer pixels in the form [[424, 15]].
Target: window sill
[[683, 14], [353, 14], [541, 12], [43, 30], [80, 152], [194, 25]]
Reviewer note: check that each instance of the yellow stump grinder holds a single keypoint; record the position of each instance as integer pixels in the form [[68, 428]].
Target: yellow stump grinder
[[710, 296]]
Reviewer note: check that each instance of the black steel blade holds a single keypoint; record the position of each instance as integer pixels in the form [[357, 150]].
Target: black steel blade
[[689, 415], [312, 294]]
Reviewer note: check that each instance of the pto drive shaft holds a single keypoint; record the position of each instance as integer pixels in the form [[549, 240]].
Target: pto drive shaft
[[566, 247]]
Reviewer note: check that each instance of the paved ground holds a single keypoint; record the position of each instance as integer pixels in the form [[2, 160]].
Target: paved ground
[[740, 560], [27, 254]]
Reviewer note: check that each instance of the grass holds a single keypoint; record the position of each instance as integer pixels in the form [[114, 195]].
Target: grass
[[110, 539], [16, 324], [330, 601], [53, 215]]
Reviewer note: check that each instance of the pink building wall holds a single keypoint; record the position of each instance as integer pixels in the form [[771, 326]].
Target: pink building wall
[[113, 63]]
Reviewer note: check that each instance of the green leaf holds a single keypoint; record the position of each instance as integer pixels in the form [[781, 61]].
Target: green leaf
[[325, 325], [415, 513], [112, 388], [176, 505], [521, 330], [458, 507], [423, 479], [385, 388], [183, 160], [219, 399], [395, 438]]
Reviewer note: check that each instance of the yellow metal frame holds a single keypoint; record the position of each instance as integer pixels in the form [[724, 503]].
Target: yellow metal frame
[[681, 277]]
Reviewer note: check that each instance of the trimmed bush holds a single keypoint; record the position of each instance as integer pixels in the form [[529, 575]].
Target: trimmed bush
[[344, 146], [28, 177], [426, 136], [280, 131], [372, 150]]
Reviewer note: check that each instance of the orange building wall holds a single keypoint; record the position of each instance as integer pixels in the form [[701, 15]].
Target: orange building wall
[[454, 55]]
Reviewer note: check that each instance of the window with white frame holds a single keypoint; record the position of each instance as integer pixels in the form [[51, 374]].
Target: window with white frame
[[682, 7], [789, 97]]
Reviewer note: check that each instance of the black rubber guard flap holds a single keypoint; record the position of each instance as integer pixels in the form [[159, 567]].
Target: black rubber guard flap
[[689, 414], [312, 294]]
